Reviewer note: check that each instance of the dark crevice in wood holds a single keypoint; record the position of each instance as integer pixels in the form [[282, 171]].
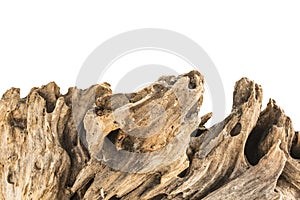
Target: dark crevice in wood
[[251, 148], [75, 197], [113, 136], [114, 198], [295, 149], [183, 173], [10, 179], [159, 197], [236, 129], [218, 184]]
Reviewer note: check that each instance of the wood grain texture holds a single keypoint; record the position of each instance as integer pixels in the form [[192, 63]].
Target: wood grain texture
[[150, 144]]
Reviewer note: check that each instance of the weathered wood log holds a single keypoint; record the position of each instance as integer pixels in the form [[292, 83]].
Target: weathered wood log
[[151, 144]]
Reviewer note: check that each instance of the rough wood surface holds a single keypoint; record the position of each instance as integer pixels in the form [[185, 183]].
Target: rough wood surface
[[152, 144]]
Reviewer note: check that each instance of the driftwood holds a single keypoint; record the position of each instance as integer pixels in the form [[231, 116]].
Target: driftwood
[[92, 144]]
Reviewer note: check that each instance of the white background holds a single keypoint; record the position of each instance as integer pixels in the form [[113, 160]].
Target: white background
[[43, 42]]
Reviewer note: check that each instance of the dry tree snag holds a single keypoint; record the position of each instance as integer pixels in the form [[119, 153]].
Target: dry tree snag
[[151, 144]]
